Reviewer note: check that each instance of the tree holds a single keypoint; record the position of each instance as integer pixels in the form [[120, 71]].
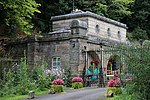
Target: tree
[[115, 9], [140, 18], [17, 14], [49, 8], [137, 61]]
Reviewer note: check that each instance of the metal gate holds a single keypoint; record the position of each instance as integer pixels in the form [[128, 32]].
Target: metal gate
[[101, 65]]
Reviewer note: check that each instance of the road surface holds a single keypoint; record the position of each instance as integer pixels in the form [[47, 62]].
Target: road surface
[[76, 94]]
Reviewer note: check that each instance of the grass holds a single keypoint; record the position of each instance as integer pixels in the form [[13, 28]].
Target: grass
[[105, 99], [18, 97]]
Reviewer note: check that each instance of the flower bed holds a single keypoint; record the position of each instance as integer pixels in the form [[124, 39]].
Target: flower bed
[[77, 82], [114, 87], [57, 85], [58, 82], [77, 79]]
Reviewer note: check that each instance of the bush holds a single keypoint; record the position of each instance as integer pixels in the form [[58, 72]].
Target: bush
[[77, 85], [123, 97], [77, 79], [115, 90], [21, 79], [137, 61], [57, 88]]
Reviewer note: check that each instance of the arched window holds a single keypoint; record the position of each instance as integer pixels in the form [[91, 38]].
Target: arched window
[[119, 34], [108, 32], [97, 29]]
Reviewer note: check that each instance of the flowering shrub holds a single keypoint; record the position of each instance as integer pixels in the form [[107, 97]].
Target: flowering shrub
[[58, 82], [115, 82], [57, 88], [77, 79], [111, 83], [77, 85], [114, 90]]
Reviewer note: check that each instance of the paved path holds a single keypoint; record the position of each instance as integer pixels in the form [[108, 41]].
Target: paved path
[[80, 94]]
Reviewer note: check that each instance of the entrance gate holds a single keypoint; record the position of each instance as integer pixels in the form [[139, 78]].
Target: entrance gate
[[101, 65]]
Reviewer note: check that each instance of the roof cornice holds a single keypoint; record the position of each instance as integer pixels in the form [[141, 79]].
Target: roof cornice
[[87, 14]]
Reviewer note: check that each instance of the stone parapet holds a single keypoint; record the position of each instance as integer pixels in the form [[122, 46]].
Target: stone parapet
[[87, 14]]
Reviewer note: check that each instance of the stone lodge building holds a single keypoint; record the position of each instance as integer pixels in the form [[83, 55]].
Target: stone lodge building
[[74, 41]]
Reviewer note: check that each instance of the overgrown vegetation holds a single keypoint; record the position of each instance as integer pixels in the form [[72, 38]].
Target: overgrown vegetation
[[21, 79], [137, 63], [17, 16]]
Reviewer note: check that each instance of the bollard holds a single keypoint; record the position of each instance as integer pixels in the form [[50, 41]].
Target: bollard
[[31, 94]]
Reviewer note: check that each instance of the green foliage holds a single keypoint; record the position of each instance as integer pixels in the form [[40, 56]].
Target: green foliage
[[8, 87], [123, 97], [115, 9], [40, 78], [57, 88], [146, 43], [137, 61], [22, 79], [139, 33], [18, 14], [77, 85], [115, 90], [140, 18], [68, 77]]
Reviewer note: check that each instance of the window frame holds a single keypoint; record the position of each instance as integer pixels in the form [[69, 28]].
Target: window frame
[[57, 62]]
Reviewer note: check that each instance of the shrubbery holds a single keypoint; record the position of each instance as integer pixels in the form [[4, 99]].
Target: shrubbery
[[57, 88], [22, 79], [77, 79], [77, 85], [77, 82], [115, 90], [136, 62]]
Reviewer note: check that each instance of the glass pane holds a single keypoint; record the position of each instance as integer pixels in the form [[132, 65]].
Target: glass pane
[[54, 64], [54, 59], [58, 59], [58, 64]]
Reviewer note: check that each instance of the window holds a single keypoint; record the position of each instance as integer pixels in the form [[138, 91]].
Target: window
[[119, 34], [97, 28], [56, 63], [108, 32]]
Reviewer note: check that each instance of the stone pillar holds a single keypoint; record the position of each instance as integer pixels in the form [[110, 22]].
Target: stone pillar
[[74, 54], [33, 53]]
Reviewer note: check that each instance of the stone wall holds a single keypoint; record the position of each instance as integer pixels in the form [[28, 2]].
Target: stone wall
[[100, 28]]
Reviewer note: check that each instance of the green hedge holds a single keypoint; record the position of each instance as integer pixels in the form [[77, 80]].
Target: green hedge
[[77, 85], [115, 90], [57, 88]]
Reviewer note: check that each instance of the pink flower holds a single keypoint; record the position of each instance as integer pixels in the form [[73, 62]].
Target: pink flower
[[111, 83], [77, 79], [114, 82], [54, 82], [58, 82]]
